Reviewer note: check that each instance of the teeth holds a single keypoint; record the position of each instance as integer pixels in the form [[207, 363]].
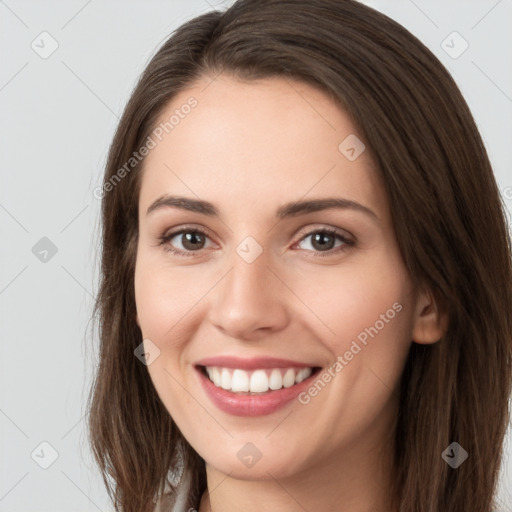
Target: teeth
[[275, 381], [225, 379], [240, 381], [302, 375], [258, 381], [289, 378], [216, 377]]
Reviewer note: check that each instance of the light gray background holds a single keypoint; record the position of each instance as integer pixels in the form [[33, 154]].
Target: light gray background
[[58, 117]]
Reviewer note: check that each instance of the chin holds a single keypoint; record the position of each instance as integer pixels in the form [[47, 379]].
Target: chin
[[245, 460]]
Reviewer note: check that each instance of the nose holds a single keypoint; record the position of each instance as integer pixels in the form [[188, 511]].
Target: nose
[[250, 301]]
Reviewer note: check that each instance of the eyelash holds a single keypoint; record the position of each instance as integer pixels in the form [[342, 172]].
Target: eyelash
[[164, 241]]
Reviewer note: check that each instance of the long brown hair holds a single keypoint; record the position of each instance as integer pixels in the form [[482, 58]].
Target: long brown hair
[[449, 221]]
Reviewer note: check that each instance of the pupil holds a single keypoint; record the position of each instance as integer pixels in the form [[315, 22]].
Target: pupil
[[191, 239], [321, 236]]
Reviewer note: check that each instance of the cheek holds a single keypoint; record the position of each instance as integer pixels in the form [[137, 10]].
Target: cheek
[[351, 298], [164, 296], [366, 318], [162, 301], [363, 313]]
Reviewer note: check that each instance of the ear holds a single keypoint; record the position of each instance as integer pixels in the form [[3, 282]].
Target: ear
[[429, 324]]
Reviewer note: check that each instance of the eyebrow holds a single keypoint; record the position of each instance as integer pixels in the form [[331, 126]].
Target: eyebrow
[[288, 210]]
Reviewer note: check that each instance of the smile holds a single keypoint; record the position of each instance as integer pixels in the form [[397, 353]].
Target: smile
[[253, 387], [257, 381]]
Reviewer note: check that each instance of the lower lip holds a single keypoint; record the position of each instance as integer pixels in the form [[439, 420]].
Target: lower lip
[[252, 405]]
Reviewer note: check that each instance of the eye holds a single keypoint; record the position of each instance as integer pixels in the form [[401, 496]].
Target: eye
[[191, 239], [323, 241]]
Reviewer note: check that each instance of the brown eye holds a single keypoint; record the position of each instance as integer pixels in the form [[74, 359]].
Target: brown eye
[[324, 241], [191, 240]]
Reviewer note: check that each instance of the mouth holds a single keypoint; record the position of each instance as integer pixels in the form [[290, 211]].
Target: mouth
[[256, 382], [255, 386]]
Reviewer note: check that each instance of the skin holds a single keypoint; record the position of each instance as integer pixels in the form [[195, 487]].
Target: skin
[[249, 147]]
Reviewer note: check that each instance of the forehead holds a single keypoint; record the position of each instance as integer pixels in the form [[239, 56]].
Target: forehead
[[266, 141]]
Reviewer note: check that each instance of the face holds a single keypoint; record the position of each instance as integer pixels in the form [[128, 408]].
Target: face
[[310, 308]]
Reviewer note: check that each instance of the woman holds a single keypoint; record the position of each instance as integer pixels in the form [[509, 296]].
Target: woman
[[306, 274]]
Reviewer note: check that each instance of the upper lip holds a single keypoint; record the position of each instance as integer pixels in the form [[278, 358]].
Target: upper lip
[[252, 363]]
